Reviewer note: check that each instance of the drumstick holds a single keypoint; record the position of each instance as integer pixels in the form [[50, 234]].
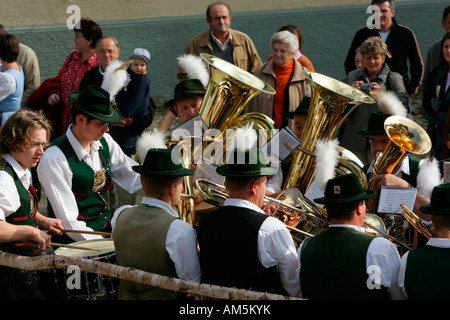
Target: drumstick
[[86, 232], [70, 246]]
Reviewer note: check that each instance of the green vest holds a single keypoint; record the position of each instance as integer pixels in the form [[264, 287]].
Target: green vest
[[333, 266], [427, 273], [139, 240], [93, 207], [25, 215]]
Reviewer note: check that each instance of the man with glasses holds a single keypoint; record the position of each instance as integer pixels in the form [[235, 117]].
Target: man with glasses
[[108, 50], [406, 175]]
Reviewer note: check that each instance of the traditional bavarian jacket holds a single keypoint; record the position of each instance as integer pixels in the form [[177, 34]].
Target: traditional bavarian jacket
[[68, 177], [13, 212]]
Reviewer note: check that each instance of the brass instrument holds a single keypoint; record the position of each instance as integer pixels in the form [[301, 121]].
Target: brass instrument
[[332, 101], [286, 207], [406, 137], [374, 225], [416, 222], [229, 89]]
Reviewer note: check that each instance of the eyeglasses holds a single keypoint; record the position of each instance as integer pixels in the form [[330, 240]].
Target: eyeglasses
[[382, 142]]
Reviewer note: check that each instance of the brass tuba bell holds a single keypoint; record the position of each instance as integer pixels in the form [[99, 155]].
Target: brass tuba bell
[[332, 101]]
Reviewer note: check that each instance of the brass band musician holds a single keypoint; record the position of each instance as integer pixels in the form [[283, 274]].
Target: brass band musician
[[343, 262], [241, 246], [424, 271]]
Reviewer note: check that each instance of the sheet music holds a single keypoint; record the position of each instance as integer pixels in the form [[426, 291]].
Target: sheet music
[[392, 197], [282, 144], [192, 127], [314, 192], [207, 170]]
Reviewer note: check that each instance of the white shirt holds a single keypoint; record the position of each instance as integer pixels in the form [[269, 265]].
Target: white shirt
[[55, 175], [434, 242], [181, 241], [275, 247], [9, 196], [383, 254]]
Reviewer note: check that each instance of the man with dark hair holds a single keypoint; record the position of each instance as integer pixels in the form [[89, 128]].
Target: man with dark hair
[[223, 42], [424, 270], [240, 245], [79, 168], [403, 49], [343, 262]]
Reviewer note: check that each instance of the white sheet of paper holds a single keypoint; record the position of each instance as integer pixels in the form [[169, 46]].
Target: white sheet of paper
[[281, 145], [392, 197]]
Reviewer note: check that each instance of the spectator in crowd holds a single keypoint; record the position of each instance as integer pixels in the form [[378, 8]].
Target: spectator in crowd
[[284, 74]]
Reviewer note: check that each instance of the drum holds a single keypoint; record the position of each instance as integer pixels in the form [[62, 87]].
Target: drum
[[90, 286]]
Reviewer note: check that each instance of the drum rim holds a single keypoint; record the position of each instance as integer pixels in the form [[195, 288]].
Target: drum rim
[[91, 256]]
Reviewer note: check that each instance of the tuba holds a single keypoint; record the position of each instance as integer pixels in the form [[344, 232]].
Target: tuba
[[406, 137], [229, 90], [332, 101]]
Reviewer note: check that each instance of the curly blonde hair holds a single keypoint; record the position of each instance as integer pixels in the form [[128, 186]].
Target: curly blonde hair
[[373, 45]]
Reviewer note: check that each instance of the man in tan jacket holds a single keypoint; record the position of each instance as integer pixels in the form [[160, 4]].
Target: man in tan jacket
[[231, 45]]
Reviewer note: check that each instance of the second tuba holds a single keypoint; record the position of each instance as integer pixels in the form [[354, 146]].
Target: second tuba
[[332, 101]]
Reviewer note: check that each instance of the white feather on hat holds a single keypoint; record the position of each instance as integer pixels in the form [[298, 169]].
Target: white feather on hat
[[115, 77], [389, 103], [429, 176], [326, 161], [194, 67], [150, 139], [245, 138]]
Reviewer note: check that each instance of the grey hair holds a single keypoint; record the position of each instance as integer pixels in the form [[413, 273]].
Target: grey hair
[[285, 37]]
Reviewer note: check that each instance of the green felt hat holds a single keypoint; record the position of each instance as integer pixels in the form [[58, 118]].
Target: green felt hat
[[302, 108], [161, 162], [95, 102], [439, 202], [343, 189], [376, 124], [185, 89], [250, 163]]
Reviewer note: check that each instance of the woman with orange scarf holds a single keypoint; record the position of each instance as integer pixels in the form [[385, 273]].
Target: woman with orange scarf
[[284, 73]]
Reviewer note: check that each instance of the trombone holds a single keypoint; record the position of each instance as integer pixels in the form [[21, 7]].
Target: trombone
[[416, 222]]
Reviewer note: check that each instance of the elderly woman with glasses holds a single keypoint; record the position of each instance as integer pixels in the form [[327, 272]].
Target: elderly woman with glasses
[[284, 73], [374, 76]]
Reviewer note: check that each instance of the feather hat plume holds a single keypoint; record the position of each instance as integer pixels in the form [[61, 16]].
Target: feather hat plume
[[115, 77], [389, 103], [194, 67], [151, 139], [429, 176], [245, 138], [326, 161]]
